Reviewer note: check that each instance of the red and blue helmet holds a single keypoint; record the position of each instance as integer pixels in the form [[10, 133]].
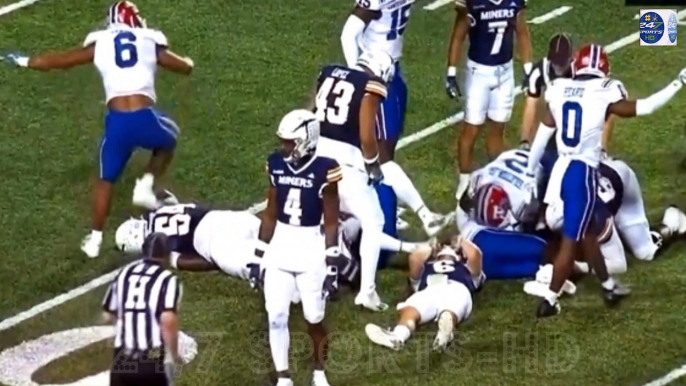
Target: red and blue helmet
[[125, 12]]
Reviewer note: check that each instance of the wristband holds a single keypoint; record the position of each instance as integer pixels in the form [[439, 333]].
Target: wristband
[[333, 252], [174, 259], [528, 67], [260, 248], [372, 160], [452, 71], [23, 62]]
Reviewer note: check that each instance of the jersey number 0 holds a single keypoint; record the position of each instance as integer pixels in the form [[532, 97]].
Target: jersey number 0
[[571, 130], [125, 53], [343, 92]]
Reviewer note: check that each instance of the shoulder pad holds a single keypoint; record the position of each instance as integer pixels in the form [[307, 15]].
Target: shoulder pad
[[371, 5], [157, 36], [616, 88], [92, 38]]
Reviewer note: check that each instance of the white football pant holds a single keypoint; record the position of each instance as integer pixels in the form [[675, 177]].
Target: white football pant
[[489, 92], [434, 299]]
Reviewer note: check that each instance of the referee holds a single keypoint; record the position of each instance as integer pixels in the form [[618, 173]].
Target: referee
[[143, 301], [556, 64]]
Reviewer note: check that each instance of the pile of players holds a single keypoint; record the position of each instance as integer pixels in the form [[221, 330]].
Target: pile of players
[[542, 213]]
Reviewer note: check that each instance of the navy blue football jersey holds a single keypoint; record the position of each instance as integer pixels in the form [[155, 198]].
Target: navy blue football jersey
[[299, 190], [179, 223], [491, 34], [340, 91], [610, 188], [443, 270]]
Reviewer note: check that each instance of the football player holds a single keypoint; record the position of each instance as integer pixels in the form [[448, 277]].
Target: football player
[[346, 104], [303, 188], [489, 83], [578, 107], [378, 26], [443, 279], [201, 239], [127, 54]]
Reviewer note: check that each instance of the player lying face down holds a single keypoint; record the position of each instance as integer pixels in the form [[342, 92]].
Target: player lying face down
[[443, 278]]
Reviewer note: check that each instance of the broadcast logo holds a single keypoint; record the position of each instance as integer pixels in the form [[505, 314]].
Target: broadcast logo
[[657, 27]]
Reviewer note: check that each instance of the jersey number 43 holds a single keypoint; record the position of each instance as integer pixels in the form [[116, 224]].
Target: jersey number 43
[[342, 93]]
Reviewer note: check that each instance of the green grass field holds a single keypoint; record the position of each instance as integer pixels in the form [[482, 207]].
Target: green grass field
[[255, 61]]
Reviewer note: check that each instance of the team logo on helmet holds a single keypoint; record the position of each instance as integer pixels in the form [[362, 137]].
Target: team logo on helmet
[[492, 206]]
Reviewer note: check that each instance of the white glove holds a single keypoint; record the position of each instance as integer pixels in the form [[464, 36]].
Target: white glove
[[682, 76]]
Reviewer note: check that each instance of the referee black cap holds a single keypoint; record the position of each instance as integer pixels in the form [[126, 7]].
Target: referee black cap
[[156, 246], [560, 51]]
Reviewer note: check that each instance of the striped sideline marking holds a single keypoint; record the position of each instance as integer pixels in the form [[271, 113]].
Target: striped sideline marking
[[404, 142]]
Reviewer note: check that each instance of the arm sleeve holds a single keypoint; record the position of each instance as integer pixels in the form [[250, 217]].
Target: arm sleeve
[[351, 30], [541, 140]]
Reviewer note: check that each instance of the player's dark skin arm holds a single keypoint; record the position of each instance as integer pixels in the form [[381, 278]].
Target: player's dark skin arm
[[366, 15], [624, 108], [173, 62], [331, 204], [269, 217], [460, 31], [523, 38], [529, 118], [62, 60], [368, 110], [194, 263]]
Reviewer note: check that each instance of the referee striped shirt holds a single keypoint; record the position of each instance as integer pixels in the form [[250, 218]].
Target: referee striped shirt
[[138, 296]]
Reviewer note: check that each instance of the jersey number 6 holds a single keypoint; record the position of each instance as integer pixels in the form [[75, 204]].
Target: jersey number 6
[[125, 53]]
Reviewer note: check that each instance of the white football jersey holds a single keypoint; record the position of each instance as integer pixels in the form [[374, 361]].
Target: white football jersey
[[127, 59], [579, 108], [386, 33], [508, 171]]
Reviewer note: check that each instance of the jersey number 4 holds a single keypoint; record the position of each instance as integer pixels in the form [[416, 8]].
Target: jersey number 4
[[293, 208], [343, 92], [572, 115], [125, 53]]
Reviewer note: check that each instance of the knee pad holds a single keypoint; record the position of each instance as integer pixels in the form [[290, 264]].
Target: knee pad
[[278, 321]]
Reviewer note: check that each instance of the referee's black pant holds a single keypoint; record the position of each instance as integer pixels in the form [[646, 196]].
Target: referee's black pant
[[138, 369]]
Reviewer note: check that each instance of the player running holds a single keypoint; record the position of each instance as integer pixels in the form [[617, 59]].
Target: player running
[[378, 26], [127, 54], [489, 82], [443, 280], [303, 188], [201, 239], [578, 108]]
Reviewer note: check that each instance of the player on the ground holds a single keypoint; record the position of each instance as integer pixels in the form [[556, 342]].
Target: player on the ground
[[346, 104], [578, 108], [303, 188], [503, 195], [489, 82], [443, 279], [201, 239], [127, 54], [378, 26]]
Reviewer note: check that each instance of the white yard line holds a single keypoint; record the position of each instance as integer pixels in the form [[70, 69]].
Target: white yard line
[[15, 6], [95, 283], [437, 4], [557, 12]]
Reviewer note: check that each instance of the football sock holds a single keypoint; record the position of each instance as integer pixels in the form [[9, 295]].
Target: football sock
[[395, 176], [96, 235], [279, 342], [402, 332], [370, 246], [608, 284]]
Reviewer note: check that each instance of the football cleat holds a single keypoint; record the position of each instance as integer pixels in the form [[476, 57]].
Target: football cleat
[[143, 193], [383, 337], [370, 301], [614, 296], [546, 309], [91, 246], [445, 335], [675, 220]]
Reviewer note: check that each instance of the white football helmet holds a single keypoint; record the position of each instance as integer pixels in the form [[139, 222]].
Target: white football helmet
[[302, 127], [130, 235], [379, 63]]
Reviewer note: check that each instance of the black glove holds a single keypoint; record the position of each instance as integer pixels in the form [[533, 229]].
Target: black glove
[[451, 86], [330, 288], [256, 272], [374, 172]]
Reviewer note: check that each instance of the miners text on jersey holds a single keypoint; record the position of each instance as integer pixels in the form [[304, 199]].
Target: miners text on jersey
[[299, 188]]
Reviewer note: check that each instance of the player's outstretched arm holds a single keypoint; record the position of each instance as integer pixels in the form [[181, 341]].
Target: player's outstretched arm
[[331, 203], [364, 12], [528, 118], [61, 60], [174, 63], [545, 130], [631, 108]]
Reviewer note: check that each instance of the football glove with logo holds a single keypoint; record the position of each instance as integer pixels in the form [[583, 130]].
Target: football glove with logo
[[451, 86], [373, 167]]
